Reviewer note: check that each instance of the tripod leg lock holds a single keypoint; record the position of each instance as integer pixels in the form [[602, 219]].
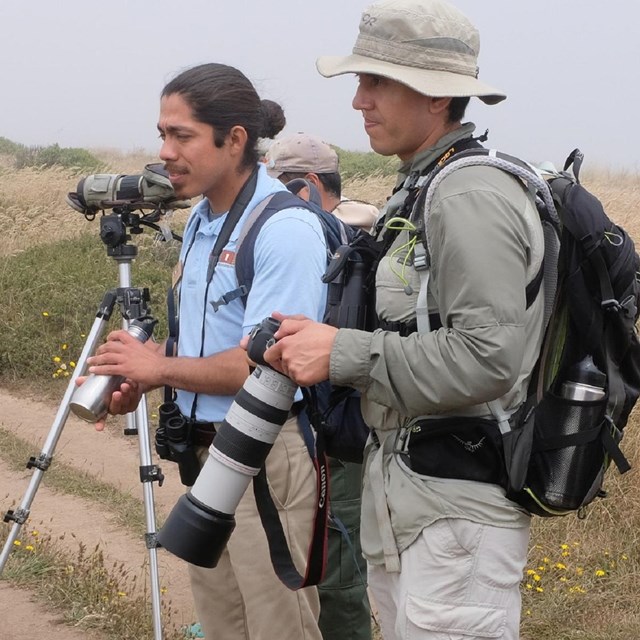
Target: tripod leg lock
[[42, 462], [151, 541], [151, 473], [19, 516]]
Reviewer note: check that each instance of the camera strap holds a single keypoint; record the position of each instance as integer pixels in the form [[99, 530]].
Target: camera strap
[[278, 548], [235, 213]]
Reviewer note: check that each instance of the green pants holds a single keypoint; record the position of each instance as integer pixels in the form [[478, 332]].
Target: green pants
[[344, 607]]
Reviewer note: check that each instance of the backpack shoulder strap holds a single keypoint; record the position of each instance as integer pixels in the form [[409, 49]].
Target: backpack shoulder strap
[[249, 233], [545, 206], [297, 185]]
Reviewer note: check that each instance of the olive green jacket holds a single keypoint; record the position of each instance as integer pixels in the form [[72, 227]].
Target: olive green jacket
[[486, 244]]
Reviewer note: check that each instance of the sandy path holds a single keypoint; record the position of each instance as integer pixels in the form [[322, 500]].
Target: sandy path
[[115, 460]]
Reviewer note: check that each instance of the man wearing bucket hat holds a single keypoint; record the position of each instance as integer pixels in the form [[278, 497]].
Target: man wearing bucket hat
[[445, 547]]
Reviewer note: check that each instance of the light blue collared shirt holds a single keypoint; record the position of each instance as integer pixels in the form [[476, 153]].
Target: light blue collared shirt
[[290, 258]]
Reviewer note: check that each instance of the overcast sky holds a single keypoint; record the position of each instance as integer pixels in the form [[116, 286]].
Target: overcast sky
[[88, 74]]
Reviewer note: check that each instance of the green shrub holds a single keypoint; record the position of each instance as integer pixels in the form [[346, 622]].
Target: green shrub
[[51, 294], [54, 155], [8, 147], [359, 163]]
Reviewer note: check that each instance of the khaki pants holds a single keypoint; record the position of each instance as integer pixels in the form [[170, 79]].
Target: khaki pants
[[459, 579], [242, 598]]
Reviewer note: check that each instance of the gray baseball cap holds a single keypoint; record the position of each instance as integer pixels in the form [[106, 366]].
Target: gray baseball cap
[[300, 153], [428, 45]]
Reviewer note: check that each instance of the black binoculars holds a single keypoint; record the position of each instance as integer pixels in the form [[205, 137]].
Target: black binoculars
[[173, 442]]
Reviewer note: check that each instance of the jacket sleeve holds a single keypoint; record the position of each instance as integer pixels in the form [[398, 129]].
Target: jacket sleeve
[[479, 262]]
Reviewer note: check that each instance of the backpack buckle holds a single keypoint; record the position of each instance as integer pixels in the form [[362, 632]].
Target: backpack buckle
[[610, 305], [420, 257]]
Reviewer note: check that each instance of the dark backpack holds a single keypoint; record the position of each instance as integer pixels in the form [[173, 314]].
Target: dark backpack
[[558, 445], [335, 411]]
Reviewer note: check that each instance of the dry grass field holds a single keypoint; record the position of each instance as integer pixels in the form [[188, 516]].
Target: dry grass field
[[583, 575]]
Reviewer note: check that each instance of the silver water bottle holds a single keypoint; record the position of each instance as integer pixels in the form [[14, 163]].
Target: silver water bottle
[[90, 401], [585, 382]]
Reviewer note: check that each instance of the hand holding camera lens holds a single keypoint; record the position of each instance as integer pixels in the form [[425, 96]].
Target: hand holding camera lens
[[200, 524]]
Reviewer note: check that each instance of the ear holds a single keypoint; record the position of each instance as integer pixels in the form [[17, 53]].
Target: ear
[[237, 140], [313, 179], [438, 105]]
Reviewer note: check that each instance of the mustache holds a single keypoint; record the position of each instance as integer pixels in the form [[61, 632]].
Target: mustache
[[174, 169]]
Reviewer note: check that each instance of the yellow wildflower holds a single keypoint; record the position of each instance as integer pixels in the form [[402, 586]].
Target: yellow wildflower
[[565, 554], [531, 572], [163, 590], [600, 573], [45, 314], [529, 586], [561, 566], [17, 543], [624, 556], [546, 560], [122, 594], [537, 578], [64, 347], [563, 578], [72, 364], [564, 547], [57, 359], [29, 547], [539, 589]]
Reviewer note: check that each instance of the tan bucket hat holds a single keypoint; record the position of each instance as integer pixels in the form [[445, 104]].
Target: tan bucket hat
[[428, 45]]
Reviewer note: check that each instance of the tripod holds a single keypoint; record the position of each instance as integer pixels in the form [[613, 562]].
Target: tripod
[[133, 304]]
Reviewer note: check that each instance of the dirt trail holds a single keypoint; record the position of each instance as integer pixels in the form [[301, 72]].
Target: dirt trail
[[112, 458]]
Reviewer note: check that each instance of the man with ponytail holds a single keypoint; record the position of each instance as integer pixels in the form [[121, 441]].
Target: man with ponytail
[[210, 121]]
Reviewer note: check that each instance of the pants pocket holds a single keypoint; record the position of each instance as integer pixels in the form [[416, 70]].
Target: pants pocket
[[452, 621]]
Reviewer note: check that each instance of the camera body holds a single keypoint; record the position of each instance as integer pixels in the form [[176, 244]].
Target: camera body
[[262, 337], [200, 524]]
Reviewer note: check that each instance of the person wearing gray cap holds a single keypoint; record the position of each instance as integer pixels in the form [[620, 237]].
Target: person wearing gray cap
[[445, 547], [344, 610], [306, 156]]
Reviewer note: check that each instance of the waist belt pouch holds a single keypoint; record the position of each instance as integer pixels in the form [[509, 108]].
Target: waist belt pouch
[[568, 457], [460, 448]]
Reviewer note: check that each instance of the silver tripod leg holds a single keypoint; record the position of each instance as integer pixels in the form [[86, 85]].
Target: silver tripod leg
[[42, 462], [138, 422]]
